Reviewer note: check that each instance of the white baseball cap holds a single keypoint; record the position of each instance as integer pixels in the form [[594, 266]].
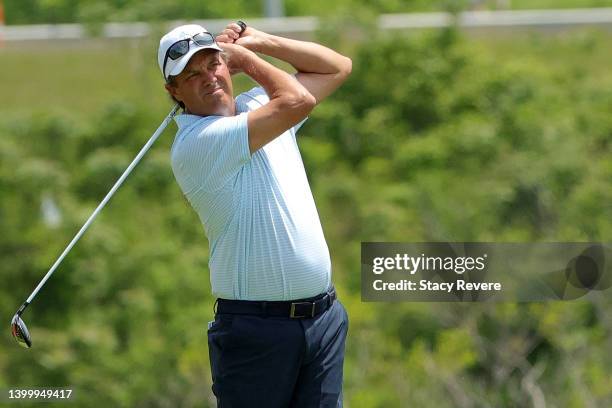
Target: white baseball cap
[[185, 45]]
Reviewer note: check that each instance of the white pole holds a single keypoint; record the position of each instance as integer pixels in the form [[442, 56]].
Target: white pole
[[274, 8]]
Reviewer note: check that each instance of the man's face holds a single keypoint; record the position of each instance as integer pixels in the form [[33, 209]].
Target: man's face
[[205, 85]]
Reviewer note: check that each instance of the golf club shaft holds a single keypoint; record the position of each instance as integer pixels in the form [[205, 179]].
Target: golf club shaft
[[127, 171]]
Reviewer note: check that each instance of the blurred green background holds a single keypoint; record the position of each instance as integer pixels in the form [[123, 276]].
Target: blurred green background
[[438, 135]]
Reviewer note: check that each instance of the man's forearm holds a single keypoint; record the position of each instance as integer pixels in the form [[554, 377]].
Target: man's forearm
[[274, 80], [320, 70], [307, 57]]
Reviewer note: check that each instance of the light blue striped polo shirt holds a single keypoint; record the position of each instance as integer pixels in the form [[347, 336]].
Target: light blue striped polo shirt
[[264, 232]]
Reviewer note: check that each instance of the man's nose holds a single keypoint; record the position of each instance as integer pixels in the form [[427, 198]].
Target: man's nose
[[210, 76]]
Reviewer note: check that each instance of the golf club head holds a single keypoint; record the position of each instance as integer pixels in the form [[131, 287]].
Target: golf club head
[[20, 332]]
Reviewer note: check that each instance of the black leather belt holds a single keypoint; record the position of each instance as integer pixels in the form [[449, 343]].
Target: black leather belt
[[295, 309]]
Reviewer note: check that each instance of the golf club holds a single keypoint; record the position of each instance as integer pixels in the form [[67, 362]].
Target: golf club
[[18, 328]]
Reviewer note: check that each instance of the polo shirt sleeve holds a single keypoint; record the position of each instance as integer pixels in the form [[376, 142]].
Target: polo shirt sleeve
[[298, 126], [216, 150]]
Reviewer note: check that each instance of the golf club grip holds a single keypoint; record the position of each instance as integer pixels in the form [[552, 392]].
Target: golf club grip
[[118, 183], [242, 25]]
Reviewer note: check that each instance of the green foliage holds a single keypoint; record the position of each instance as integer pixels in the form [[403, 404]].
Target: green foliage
[[438, 138], [94, 12], [434, 137]]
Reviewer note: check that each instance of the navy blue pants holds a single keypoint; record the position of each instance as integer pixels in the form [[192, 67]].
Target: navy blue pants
[[278, 362]]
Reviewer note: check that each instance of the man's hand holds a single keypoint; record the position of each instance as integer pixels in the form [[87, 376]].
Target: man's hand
[[250, 38], [237, 56]]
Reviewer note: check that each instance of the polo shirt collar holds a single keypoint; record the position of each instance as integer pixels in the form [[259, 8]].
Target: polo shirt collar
[[186, 119]]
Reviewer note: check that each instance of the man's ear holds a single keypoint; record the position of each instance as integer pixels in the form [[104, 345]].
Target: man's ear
[[172, 91]]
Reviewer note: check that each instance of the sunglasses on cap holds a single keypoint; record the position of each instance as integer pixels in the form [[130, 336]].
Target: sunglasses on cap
[[181, 47]]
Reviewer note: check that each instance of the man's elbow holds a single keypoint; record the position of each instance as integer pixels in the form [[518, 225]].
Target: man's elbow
[[346, 67], [307, 103], [300, 103]]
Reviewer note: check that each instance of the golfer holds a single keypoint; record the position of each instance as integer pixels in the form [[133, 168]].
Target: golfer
[[279, 330]]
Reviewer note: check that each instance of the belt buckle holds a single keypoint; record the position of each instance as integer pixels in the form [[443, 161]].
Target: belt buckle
[[292, 312]]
